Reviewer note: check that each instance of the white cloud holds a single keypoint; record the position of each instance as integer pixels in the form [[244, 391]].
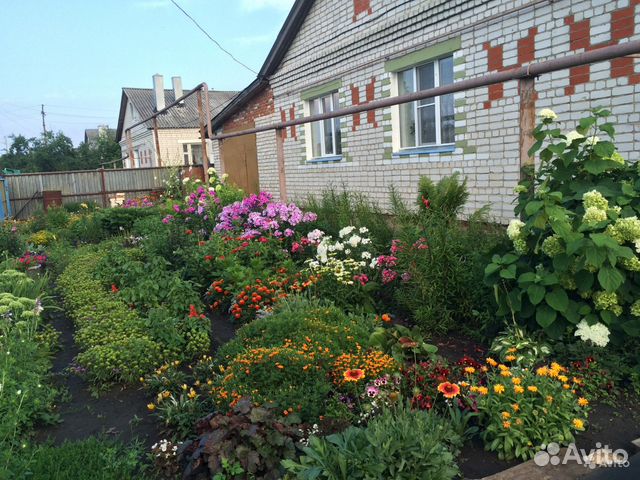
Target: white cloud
[[253, 5]]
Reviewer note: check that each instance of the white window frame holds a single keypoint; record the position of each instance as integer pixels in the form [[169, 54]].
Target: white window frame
[[395, 110], [336, 122], [189, 152]]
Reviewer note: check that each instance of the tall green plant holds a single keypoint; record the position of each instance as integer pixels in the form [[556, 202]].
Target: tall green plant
[[573, 265]]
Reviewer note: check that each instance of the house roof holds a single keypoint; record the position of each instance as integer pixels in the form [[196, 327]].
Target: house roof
[[286, 36], [185, 116], [92, 134]]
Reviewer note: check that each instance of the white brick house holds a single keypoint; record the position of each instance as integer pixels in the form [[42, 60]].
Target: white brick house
[[343, 52], [178, 132]]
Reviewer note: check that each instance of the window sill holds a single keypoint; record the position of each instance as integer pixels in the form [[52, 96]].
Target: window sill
[[410, 152], [327, 159]]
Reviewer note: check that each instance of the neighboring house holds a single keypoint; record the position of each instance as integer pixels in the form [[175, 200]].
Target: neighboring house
[[91, 135], [336, 53], [178, 128]]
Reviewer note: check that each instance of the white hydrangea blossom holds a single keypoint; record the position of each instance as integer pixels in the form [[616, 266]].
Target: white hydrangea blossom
[[636, 242], [364, 230], [514, 228], [572, 136], [367, 255], [598, 334], [354, 241], [547, 114]]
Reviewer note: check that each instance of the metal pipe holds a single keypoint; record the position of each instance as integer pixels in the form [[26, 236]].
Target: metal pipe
[[516, 73], [203, 140], [157, 141]]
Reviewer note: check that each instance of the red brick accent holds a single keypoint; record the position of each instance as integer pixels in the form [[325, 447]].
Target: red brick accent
[[622, 23], [355, 100], [369, 96], [496, 92], [494, 57], [527, 47], [361, 6], [283, 118], [292, 116], [579, 33], [259, 106]]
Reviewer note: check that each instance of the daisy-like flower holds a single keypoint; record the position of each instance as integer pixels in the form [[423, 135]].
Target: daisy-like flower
[[583, 402], [353, 375], [448, 389], [532, 388], [469, 370], [518, 389], [492, 362], [498, 388], [483, 390], [578, 424]]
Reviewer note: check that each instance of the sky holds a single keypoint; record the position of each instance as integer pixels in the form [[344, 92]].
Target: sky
[[74, 56]]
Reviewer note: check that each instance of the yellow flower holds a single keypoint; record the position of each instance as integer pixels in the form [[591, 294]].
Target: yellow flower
[[583, 402], [506, 415], [549, 399], [498, 388], [483, 390], [166, 394], [519, 421], [566, 386], [558, 367], [518, 389], [469, 370], [516, 380], [516, 407], [505, 373], [503, 367], [464, 384], [484, 368], [512, 350], [184, 387], [473, 388], [563, 378], [532, 388], [151, 406], [492, 362], [577, 380], [506, 424], [510, 358], [553, 373], [542, 371], [192, 394], [578, 424]]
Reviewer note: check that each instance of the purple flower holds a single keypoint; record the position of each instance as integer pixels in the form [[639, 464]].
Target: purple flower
[[372, 391], [405, 277]]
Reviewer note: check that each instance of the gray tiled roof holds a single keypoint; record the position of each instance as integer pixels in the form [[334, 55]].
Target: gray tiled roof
[[185, 116]]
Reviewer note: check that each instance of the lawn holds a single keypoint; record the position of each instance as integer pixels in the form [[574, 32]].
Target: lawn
[[208, 333]]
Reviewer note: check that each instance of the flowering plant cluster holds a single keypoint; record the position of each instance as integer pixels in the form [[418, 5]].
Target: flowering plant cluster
[[144, 202], [258, 215], [32, 260], [574, 263], [388, 266], [512, 402]]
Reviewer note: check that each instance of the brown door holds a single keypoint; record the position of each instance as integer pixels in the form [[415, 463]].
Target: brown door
[[240, 157]]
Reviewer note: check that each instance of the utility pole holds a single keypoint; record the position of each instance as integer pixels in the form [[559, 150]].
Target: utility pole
[[44, 127]]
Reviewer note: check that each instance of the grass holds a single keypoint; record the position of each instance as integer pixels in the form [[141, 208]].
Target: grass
[[91, 459]]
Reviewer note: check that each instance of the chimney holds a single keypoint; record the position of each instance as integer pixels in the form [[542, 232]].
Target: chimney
[[158, 90], [177, 88]]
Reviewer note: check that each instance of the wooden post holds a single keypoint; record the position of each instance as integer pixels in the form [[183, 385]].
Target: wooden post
[[527, 91], [130, 146], [221, 167], [205, 157], [103, 185], [155, 136], [281, 169]]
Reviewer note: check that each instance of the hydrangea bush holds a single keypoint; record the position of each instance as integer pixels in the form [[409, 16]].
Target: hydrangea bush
[[574, 266]]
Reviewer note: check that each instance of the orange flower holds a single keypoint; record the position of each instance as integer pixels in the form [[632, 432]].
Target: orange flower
[[353, 375], [506, 424], [492, 362], [583, 402], [449, 390], [498, 388], [510, 358], [515, 407], [151, 407], [469, 370], [518, 389], [532, 388], [386, 318]]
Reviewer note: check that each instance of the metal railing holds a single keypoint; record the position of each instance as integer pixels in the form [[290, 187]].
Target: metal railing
[[525, 75]]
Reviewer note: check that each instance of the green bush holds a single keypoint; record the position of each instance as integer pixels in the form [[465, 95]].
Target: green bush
[[297, 319], [573, 264], [440, 260], [398, 445], [11, 243], [118, 219]]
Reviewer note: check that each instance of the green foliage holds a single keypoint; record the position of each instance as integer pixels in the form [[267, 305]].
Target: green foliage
[[11, 244], [253, 438], [118, 220], [445, 198], [444, 261], [401, 445], [402, 343], [516, 346], [335, 209], [295, 320], [95, 458], [573, 260]]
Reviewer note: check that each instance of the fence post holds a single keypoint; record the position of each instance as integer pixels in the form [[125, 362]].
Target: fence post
[[203, 140], [282, 176], [157, 140], [527, 91], [103, 186]]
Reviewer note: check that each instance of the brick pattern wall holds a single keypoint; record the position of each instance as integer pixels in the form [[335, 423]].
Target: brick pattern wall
[[351, 40]]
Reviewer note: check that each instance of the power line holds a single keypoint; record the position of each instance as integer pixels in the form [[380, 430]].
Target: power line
[[212, 39]]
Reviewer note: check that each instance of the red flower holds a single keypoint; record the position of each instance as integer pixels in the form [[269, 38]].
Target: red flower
[[114, 289], [426, 202], [193, 312], [208, 258], [449, 390], [189, 232], [353, 375]]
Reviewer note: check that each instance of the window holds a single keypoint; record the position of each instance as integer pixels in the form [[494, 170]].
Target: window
[[429, 121], [192, 153], [325, 135]]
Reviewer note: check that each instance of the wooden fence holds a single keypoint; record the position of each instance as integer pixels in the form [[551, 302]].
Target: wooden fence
[[28, 191]]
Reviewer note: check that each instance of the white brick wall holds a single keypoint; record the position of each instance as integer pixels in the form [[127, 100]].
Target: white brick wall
[[331, 46]]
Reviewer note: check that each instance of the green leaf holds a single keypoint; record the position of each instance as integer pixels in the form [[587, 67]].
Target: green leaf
[[533, 207], [557, 299], [491, 268], [632, 328], [584, 280], [608, 128], [555, 330], [509, 272], [561, 262], [604, 149], [545, 315], [595, 256], [536, 293], [603, 240], [610, 278], [526, 277]]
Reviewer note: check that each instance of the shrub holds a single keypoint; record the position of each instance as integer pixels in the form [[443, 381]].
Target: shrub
[[11, 244], [400, 444], [573, 263], [249, 443], [117, 220], [436, 265]]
